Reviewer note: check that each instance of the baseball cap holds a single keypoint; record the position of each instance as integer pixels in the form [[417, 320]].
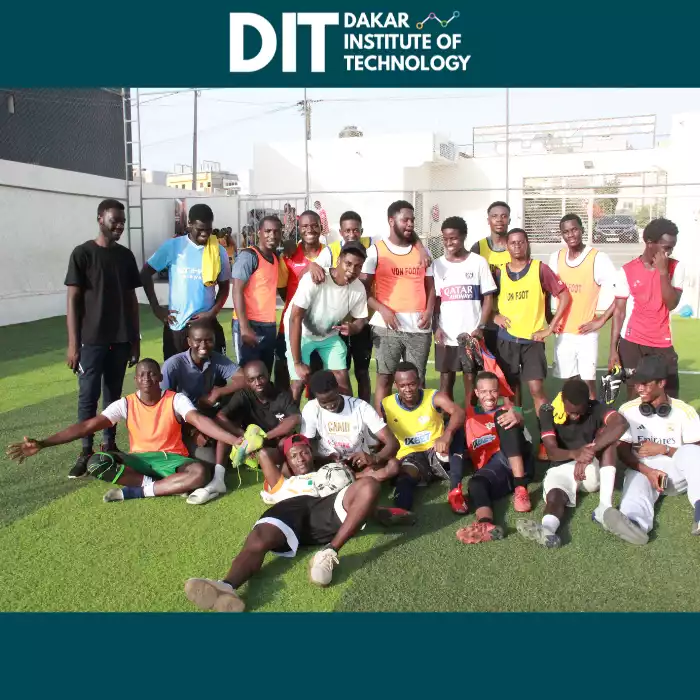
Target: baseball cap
[[650, 368], [294, 440], [356, 248]]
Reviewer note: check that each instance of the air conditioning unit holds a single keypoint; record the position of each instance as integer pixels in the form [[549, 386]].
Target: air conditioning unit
[[444, 150]]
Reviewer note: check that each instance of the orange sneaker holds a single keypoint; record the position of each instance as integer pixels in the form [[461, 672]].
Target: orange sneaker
[[521, 500], [457, 501], [479, 532], [542, 455]]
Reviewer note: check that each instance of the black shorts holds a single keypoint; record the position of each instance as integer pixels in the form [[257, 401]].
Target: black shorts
[[359, 349], [452, 358], [632, 353], [306, 520], [526, 361], [427, 465], [175, 342]]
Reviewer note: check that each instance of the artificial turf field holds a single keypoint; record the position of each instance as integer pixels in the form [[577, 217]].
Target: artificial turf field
[[63, 549]]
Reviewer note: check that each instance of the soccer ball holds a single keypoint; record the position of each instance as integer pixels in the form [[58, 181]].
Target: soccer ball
[[332, 478]]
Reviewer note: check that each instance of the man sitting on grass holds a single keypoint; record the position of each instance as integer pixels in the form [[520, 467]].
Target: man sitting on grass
[[499, 450], [324, 507], [158, 463], [579, 435]]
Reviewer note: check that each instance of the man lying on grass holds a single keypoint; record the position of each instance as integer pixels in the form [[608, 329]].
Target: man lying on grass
[[158, 463], [309, 507]]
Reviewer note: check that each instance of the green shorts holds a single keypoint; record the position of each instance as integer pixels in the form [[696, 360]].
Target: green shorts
[[157, 465], [333, 352]]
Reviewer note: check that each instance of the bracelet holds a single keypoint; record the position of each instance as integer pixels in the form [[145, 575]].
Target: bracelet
[[668, 450], [517, 409]]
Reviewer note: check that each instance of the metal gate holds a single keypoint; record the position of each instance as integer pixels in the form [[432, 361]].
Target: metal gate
[[253, 209]]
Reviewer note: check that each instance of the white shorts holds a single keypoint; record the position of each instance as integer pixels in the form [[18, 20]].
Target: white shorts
[[562, 477], [575, 355]]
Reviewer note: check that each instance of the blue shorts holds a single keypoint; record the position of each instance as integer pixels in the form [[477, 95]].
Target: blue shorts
[[264, 350]]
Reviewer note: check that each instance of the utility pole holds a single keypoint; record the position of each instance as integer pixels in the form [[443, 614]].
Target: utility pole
[[507, 142], [194, 144], [307, 136]]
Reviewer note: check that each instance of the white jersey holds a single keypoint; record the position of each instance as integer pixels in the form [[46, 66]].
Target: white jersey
[[461, 286], [324, 482], [344, 433], [680, 427]]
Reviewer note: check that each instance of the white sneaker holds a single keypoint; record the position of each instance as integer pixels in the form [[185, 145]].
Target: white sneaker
[[215, 488], [213, 595], [321, 567], [113, 495]]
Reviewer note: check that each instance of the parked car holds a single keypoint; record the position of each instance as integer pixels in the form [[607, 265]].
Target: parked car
[[616, 229]]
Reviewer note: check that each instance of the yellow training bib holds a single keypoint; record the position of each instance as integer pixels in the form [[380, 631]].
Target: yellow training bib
[[416, 429], [522, 302]]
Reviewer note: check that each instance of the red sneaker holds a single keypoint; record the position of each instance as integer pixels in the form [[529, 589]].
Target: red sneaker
[[394, 516], [457, 501], [521, 500], [542, 455], [479, 532]]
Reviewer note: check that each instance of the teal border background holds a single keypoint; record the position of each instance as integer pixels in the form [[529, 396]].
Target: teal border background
[[512, 44]]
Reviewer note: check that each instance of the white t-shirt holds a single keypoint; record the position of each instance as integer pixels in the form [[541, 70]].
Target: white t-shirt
[[681, 427], [408, 322], [329, 479], [327, 305], [117, 410], [342, 433], [461, 287], [325, 258]]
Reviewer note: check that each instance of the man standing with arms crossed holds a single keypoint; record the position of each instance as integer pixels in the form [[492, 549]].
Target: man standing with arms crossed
[[584, 271], [647, 289], [403, 300], [103, 321], [196, 265], [256, 277]]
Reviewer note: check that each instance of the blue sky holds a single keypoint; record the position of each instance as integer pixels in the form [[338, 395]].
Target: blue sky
[[231, 120]]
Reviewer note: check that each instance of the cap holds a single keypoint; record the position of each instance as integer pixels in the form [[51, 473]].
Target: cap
[[355, 247], [294, 440], [650, 368]]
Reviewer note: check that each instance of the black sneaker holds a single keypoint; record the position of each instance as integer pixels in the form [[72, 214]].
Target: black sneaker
[[80, 467]]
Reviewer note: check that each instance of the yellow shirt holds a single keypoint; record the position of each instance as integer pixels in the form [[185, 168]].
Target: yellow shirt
[[522, 301], [337, 246], [417, 429]]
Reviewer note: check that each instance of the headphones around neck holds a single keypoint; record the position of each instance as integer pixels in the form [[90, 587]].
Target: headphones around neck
[[663, 410]]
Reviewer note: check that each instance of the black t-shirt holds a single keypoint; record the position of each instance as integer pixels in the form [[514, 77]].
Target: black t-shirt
[[570, 435], [245, 409], [107, 277]]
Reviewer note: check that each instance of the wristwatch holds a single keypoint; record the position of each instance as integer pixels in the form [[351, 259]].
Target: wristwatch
[[668, 450]]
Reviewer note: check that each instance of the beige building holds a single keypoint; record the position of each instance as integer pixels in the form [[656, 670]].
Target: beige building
[[211, 179]]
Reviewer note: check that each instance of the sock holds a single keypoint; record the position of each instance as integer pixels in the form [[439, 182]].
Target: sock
[[607, 486], [148, 484], [87, 450], [233, 588], [219, 472], [133, 492], [697, 511], [485, 520], [550, 523], [333, 548], [520, 481]]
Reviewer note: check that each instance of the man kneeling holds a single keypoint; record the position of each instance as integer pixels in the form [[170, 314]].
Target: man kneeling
[[502, 457], [577, 432], [158, 463], [324, 507]]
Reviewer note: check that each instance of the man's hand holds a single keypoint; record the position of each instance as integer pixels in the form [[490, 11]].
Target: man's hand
[[389, 318], [303, 371], [212, 398], [21, 450], [510, 419], [613, 359], [248, 337], [425, 260], [650, 448], [361, 460], [204, 316], [343, 329], [73, 358], [135, 352], [502, 321], [440, 336], [425, 319], [655, 476], [592, 326], [580, 471], [318, 274], [442, 444], [661, 263], [585, 454], [478, 333], [164, 315], [539, 336]]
